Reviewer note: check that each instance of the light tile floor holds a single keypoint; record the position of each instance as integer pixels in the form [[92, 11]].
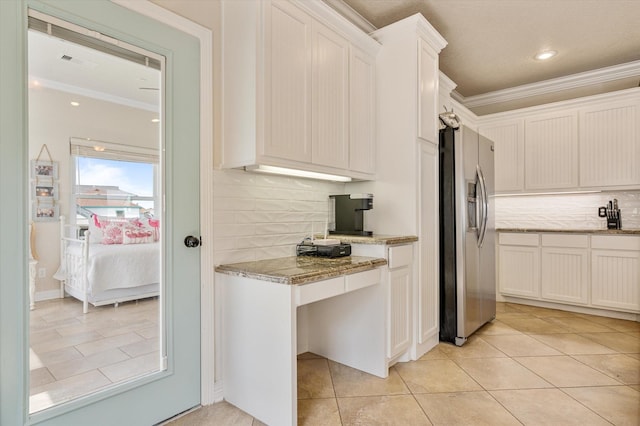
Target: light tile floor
[[531, 366], [73, 354]]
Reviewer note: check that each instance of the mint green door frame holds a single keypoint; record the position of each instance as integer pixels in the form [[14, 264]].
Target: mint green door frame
[[164, 394]]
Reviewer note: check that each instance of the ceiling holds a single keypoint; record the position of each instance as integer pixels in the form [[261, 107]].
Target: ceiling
[[492, 43], [62, 65]]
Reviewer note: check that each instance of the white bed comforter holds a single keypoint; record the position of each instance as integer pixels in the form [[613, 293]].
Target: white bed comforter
[[121, 266]]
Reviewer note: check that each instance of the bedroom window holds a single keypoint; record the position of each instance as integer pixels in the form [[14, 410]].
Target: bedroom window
[[113, 180]]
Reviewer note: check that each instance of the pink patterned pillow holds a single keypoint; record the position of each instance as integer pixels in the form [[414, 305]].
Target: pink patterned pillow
[[125, 231], [137, 235], [155, 226], [112, 232]]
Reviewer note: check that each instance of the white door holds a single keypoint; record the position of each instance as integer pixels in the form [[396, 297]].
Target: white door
[[175, 384]]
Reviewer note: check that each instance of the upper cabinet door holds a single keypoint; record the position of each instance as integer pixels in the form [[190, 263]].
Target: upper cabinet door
[[610, 145], [508, 140], [551, 151], [428, 78], [330, 98], [362, 107], [288, 65]]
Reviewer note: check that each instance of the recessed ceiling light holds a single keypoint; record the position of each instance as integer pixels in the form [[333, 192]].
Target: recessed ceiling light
[[155, 120], [547, 54], [74, 103]]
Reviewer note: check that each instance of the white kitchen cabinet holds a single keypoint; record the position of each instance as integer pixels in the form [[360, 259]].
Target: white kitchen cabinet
[[564, 268], [610, 144], [426, 294], [551, 151], [286, 88], [615, 272], [397, 281], [288, 77], [362, 111], [586, 270], [589, 143], [330, 98], [519, 264], [508, 138], [399, 318], [428, 77]]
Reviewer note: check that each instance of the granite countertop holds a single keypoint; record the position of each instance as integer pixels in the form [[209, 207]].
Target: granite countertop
[[575, 231], [296, 270], [373, 239]]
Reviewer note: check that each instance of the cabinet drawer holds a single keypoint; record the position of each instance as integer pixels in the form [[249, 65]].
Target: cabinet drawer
[[517, 239], [362, 280], [565, 240], [400, 256], [308, 293], [615, 242]]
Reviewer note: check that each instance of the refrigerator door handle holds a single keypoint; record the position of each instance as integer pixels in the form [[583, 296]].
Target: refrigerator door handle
[[483, 201]]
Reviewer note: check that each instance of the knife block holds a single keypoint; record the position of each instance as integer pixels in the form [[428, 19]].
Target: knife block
[[614, 222]]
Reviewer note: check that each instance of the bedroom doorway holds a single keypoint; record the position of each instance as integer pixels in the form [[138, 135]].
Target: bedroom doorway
[[116, 293], [103, 266]]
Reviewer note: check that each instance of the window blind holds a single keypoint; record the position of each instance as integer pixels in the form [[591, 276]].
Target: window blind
[[113, 151]]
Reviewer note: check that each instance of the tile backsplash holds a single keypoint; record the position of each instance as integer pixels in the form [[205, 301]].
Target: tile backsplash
[[264, 216], [259, 216], [565, 211]]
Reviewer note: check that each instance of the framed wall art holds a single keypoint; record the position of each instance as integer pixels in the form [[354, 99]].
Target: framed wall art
[[45, 211], [44, 169], [44, 189]]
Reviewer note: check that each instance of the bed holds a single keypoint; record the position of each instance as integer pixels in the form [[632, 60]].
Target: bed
[[99, 268]]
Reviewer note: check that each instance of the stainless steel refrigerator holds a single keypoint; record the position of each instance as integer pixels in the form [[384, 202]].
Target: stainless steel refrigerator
[[467, 234]]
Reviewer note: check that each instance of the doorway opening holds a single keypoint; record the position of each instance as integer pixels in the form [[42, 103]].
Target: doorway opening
[[97, 318]]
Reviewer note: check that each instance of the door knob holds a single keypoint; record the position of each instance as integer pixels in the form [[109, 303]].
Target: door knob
[[192, 242]]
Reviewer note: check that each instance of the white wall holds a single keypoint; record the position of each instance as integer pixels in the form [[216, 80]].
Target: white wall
[[52, 121]]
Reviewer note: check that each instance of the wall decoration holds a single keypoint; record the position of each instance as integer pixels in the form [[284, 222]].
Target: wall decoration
[[43, 211], [44, 188], [44, 169]]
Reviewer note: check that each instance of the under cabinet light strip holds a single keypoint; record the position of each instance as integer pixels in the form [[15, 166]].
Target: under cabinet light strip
[[527, 194], [298, 173]]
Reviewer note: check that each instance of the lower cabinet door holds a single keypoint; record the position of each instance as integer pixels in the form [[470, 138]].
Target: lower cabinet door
[[518, 271], [565, 276], [615, 279], [399, 325]]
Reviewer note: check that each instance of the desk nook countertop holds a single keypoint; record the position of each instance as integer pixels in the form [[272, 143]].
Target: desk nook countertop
[[296, 270]]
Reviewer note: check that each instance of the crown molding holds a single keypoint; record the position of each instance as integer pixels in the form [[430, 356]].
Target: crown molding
[[347, 11], [588, 78], [585, 101], [415, 24], [446, 84], [94, 94], [330, 16]]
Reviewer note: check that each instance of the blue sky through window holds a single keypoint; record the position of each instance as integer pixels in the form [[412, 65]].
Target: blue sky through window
[[133, 177]]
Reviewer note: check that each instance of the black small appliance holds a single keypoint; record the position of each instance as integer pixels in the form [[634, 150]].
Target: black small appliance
[[348, 213]]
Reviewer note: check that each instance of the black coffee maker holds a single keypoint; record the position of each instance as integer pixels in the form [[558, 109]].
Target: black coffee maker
[[348, 213]]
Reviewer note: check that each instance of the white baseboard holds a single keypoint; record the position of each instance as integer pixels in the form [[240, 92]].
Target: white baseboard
[[47, 295], [422, 348], [218, 391], [573, 308]]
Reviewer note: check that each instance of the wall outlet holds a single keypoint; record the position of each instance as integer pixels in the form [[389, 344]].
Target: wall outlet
[[42, 272]]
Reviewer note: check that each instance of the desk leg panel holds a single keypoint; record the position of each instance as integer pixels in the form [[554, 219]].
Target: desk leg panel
[[259, 367]]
